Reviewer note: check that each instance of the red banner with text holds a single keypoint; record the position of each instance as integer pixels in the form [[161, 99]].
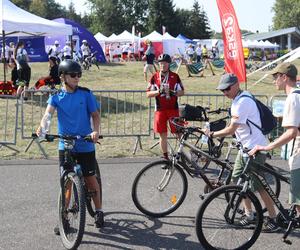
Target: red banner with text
[[233, 48]]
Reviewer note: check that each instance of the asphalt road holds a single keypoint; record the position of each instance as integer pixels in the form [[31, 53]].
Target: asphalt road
[[28, 195]]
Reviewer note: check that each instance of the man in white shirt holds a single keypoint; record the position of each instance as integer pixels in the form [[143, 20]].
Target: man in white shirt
[[54, 51], [85, 49], [285, 78], [67, 50], [244, 109]]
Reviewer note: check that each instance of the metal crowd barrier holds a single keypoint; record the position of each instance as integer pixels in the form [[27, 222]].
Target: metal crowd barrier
[[9, 110], [123, 113]]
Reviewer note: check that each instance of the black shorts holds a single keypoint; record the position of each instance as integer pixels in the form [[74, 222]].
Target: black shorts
[[86, 160]]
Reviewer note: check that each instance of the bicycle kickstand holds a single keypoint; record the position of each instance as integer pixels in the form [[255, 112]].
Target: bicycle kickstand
[[288, 231]]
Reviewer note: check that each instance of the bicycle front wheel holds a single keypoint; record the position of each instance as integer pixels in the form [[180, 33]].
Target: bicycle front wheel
[[72, 213], [159, 188], [218, 220]]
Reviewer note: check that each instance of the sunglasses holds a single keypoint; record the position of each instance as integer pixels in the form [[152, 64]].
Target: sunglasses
[[73, 75], [227, 89]]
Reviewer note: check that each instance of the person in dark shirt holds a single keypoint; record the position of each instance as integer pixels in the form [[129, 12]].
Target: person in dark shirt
[[52, 79]]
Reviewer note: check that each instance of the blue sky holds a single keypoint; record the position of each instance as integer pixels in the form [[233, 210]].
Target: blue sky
[[252, 14]]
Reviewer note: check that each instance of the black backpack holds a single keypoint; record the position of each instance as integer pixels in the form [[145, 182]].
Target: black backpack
[[268, 121]]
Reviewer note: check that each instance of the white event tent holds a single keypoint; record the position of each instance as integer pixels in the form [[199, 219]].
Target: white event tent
[[15, 21], [153, 37], [165, 43], [172, 45], [126, 37], [101, 39], [111, 38]]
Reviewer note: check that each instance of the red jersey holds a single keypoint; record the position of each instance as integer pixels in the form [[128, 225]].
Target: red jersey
[[175, 84]]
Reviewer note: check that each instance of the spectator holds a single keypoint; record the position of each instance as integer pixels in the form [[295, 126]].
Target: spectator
[[67, 50], [242, 111], [199, 52], [285, 78], [111, 51], [24, 71], [11, 52], [166, 87], [125, 49], [53, 78], [149, 56], [54, 51], [190, 53], [5, 56], [85, 49]]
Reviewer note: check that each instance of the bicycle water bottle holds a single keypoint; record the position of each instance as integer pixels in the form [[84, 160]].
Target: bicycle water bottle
[[78, 170], [204, 138], [45, 125]]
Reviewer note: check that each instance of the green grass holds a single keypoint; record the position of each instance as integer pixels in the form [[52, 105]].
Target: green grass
[[119, 76]]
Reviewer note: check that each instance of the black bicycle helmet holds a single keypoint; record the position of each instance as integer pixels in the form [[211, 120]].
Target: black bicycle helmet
[[164, 58], [69, 66]]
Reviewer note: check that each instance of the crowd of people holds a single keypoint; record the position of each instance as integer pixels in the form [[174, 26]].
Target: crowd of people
[[15, 57], [126, 52]]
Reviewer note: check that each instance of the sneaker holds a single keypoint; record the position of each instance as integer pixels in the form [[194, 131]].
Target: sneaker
[[247, 220], [99, 219], [269, 225]]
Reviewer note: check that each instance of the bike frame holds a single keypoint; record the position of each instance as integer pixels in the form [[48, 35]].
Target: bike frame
[[286, 214], [225, 165]]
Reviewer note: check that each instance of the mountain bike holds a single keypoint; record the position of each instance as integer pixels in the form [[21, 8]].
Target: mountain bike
[[89, 61], [161, 186], [219, 216], [74, 197]]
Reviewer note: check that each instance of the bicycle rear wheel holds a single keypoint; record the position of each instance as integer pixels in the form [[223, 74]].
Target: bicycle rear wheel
[[159, 188], [217, 220], [89, 203], [72, 215]]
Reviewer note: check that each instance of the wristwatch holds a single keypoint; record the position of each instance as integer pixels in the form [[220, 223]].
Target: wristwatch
[[211, 134]]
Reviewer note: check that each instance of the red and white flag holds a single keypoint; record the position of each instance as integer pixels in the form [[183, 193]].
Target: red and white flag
[[233, 48]]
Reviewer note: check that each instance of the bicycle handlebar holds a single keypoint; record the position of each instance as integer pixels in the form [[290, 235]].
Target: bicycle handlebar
[[217, 111], [178, 123], [51, 137]]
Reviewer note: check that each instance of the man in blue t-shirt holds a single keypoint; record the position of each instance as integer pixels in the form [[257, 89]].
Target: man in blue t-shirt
[[75, 107]]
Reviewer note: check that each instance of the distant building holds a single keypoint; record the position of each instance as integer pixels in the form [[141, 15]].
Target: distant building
[[288, 38]]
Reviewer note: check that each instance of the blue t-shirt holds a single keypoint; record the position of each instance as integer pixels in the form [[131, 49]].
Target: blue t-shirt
[[74, 116]]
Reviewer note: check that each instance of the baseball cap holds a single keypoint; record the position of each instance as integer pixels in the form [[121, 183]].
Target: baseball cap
[[56, 42], [285, 68], [227, 80]]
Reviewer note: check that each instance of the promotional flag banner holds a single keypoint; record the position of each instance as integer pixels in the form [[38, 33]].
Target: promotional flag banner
[[233, 48]]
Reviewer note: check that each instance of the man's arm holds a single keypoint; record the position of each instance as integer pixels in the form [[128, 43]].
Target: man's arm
[[96, 126], [49, 110], [229, 130], [289, 134], [152, 93]]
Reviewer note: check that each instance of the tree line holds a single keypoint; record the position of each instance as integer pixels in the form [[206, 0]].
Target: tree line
[[114, 16]]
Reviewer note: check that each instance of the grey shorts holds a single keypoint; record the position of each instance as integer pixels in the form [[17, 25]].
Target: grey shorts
[[294, 196]]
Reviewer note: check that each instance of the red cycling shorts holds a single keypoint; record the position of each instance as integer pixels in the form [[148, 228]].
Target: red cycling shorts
[[161, 120]]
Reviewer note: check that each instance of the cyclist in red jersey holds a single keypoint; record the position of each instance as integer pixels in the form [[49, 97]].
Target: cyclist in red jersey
[[166, 87]]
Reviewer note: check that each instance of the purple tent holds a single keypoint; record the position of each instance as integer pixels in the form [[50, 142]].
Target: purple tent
[[79, 33]]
